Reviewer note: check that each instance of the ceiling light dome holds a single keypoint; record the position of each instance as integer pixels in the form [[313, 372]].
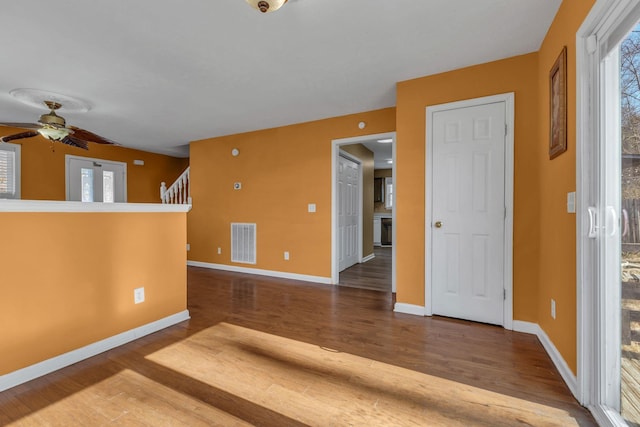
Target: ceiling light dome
[[265, 6]]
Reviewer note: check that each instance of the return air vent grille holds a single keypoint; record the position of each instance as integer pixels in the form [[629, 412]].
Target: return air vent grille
[[243, 243]]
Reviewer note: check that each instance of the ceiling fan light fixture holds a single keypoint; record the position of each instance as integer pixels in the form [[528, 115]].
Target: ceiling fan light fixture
[[265, 6], [54, 133]]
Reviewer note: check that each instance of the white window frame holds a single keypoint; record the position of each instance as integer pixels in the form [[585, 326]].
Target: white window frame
[[16, 149]]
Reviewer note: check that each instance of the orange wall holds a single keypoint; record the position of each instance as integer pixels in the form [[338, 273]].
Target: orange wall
[[43, 169], [519, 75], [544, 233], [366, 156], [557, 266], [68, 279], [281, 171]]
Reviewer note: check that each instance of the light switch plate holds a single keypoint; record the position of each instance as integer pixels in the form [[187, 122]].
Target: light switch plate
[[312, 207]]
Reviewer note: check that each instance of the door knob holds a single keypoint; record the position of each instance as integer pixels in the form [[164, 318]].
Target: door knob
[[438, 224]]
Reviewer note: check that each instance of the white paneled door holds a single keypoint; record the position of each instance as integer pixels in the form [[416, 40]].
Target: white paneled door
[[348, 212], [468, 212]]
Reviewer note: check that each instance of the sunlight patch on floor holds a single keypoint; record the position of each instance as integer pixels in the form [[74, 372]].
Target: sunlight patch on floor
[[318, 386], [128, 398]]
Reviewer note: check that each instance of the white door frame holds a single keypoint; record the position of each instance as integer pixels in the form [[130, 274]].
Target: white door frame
[[335, 152], [508, 99], [605, 26]]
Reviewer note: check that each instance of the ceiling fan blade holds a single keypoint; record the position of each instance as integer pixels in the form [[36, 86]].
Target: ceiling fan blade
[[90, 136], [22, 125], [75, 142], [21, 135]]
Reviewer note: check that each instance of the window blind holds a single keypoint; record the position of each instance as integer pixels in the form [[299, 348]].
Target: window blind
[[7, 173]]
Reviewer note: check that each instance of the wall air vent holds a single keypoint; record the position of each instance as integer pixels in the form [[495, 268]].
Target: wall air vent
[[243, 243]]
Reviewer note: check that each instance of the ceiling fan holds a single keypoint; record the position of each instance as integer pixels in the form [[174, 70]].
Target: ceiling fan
[[54, 128]]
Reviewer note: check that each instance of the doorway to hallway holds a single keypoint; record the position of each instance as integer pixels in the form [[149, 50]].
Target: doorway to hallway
[[357, 147]]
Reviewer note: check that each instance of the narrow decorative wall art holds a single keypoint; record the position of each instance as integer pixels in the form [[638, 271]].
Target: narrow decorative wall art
[[558, 106]]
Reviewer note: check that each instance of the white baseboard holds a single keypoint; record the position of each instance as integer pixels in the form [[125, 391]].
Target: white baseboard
[[29, 373], [270, 273], [416, 310], [561, 365], [368, 258], [526, 327]]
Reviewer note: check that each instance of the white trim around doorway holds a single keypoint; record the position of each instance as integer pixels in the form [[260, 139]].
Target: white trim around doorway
[[335, 152]]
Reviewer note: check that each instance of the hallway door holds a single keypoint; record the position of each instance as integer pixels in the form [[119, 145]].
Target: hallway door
[[348, 212]]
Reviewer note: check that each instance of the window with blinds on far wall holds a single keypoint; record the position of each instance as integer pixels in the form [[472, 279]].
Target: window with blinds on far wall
[[9, 171]]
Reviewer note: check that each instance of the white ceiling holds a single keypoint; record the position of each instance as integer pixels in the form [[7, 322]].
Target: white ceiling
[[159, 74], [382, 153]]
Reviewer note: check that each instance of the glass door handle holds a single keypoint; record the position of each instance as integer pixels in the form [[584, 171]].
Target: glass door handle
[[612, 214], [593, 227]]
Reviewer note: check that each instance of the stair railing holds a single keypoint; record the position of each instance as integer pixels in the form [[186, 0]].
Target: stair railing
[[179, 193]]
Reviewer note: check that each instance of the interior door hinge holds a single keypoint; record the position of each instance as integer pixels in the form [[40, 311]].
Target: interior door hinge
[[504, 294], [506, 129]]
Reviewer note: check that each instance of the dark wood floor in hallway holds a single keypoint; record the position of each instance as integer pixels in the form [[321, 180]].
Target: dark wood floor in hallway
[[374, 274], [274, 352]]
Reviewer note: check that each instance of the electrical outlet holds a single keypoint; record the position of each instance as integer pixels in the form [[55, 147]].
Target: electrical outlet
[[311, 207], [553, 308], [219, 251], [286, 255], [138, 295]]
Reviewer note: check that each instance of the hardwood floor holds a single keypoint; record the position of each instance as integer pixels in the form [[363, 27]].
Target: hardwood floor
[[275, 352], [374, 274]]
